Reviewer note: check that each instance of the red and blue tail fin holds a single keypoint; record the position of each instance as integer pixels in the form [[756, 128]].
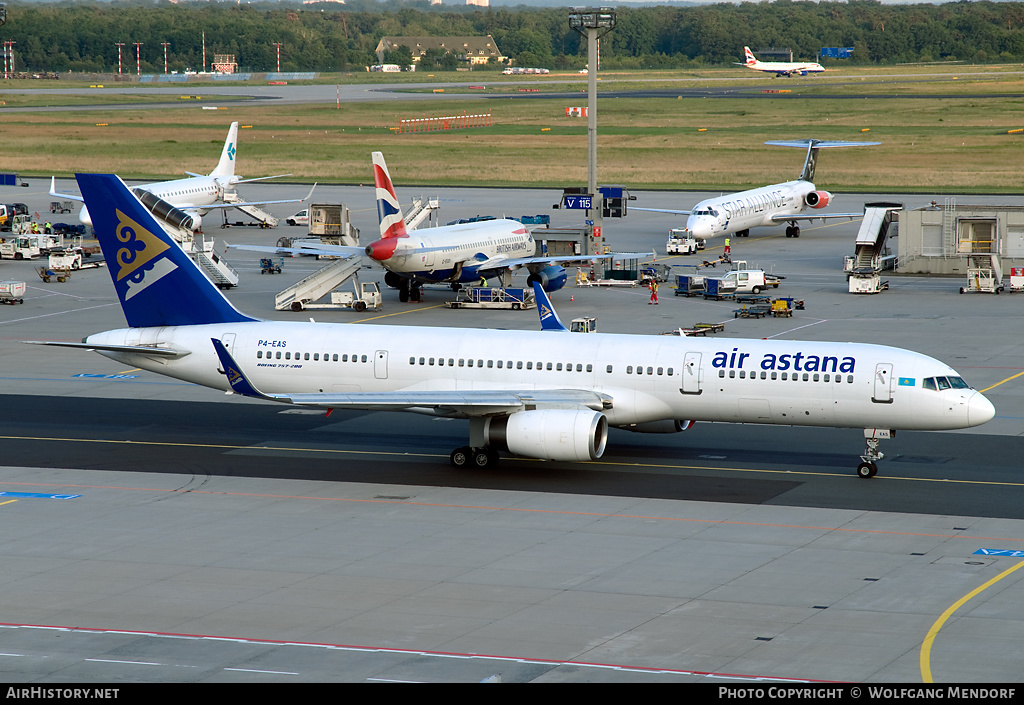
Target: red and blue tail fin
[[388, 210], [156, 282]]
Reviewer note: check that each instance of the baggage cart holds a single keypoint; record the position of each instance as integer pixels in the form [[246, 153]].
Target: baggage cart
[[12, 292]]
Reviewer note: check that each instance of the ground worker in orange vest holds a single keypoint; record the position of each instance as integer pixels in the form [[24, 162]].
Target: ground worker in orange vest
[[654, 292]]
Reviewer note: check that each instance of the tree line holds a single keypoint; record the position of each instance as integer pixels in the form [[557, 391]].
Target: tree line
[[83, 37]]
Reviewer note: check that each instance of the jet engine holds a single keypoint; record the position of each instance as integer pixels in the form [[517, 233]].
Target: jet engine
[[550, 434], [163, 210], [551, 278], [818, 199]]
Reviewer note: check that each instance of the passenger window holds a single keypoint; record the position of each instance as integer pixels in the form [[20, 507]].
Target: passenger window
[[579, 366], [431, 362], [650, 370], [549, 366], [364, 358], [629, 370], [721, 373], [287, 356], [529, 365], [259, 354], [775, 375], [849, 379], [608, 369], [732, 373], [316, 356], [661, 371], [558, 367], [412, 360], [490, 363], [784, 377], [305, 356], [440, 362], [519, 364]]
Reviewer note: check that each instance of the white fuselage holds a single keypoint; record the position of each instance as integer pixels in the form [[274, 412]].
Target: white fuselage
[[189, 194], [786, 68], [453, 252], [734, 212], [649, 378]]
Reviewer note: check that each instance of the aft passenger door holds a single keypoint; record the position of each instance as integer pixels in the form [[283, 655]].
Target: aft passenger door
[[691, 374], [380, 364], [883, 383]]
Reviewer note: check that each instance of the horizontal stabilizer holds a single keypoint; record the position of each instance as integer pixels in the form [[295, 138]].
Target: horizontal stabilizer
[[819, 144], [133, 349]]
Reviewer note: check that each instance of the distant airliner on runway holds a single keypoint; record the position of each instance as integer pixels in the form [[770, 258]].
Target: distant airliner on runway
[[780, 68], [549, 394]]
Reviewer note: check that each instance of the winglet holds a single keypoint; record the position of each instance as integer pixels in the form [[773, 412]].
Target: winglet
[[237, 380], [548, 317]]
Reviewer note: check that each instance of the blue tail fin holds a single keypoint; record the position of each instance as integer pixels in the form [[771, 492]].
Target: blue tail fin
[[548, 318], [156, 282]]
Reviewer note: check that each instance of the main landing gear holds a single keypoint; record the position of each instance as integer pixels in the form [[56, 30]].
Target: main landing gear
[[474, 457], [792, 231], [869, 465]]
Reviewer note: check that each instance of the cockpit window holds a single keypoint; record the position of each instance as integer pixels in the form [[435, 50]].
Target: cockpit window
[[941, 383]]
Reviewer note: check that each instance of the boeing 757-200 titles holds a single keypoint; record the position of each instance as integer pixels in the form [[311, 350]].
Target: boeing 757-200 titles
[[548, 394]]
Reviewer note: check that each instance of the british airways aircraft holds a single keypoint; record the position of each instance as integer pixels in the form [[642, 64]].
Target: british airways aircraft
[[780, 68], [768, 205], [454, 254], [198, 194], [547, 394]]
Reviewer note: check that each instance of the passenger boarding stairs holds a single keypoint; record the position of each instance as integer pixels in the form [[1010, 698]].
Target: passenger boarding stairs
[[872, 256], [317, 285], [202, 252], [265, 219], [421, 209]]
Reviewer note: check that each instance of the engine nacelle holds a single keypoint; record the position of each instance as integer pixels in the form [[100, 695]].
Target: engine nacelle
[[818, 199], [663, 426], [550, 278], [550, 434], [188, 220]]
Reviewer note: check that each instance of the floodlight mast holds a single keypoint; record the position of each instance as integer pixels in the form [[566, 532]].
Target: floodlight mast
[[594, 23]]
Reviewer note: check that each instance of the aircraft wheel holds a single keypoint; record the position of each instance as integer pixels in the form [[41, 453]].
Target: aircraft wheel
[[403, 294], [796, 232], [484, 458], [460, 456], [867, 470]]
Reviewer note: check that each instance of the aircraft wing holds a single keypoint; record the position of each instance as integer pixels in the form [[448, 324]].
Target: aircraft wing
[[780, 218], [659, 210], [470, 402], [320, 250], [53, 192], [512, 262], [236, 204]]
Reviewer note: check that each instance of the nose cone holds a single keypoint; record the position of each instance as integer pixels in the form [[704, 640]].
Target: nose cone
[[382, 250], [699, 227], [979, 409]]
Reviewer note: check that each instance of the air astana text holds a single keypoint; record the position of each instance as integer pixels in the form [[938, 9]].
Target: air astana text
[[798, 362]]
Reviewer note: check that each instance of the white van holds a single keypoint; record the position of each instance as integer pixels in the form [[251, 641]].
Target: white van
[[300, 218]]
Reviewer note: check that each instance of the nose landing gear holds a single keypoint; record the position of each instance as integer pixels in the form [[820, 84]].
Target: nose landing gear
[[872, 436]]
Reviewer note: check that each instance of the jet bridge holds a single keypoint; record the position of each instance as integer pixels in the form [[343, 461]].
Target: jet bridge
[[872, 255]]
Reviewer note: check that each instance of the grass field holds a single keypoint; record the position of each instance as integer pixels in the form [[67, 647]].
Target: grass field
[[933, 140]]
